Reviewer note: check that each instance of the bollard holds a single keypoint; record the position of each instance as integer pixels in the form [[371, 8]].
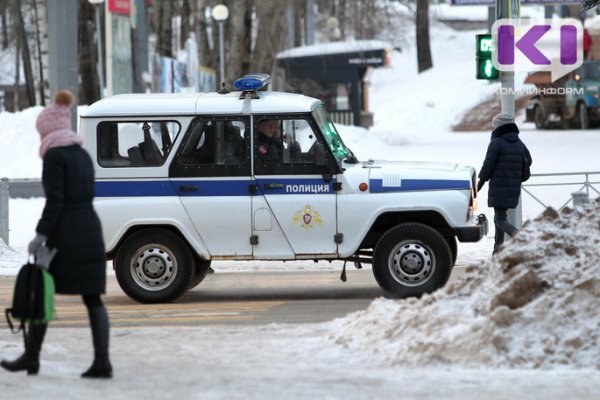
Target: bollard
[[580, 198], [4, 195]]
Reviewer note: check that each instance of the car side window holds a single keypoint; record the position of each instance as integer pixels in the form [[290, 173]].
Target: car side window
[[135, 143], [284, 144], [213, 147]]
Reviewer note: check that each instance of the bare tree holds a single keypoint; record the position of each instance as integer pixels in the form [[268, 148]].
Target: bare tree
[[423, 46], [4, 21], [39, 10], [271, 34], [23, 45], [185, 29], [163, 28], [238, 29], [89, 88]]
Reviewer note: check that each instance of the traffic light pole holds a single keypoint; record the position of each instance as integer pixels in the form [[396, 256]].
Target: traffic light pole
[[509, 9]]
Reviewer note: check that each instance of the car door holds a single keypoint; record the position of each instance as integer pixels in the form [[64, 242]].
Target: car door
[[298, 203], [211, 174]]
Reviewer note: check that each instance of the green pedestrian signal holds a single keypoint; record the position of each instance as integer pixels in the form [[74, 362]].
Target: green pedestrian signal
[[485, 67]]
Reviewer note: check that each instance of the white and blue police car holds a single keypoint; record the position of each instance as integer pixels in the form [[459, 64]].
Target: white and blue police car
[[184, 179]]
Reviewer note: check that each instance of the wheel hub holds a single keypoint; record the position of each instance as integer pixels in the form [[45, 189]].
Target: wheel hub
[[153, 267], [411, 263]]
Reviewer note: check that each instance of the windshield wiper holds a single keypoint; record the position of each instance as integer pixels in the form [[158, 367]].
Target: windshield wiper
[[351, 159]]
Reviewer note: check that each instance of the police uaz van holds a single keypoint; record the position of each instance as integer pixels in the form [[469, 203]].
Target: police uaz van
[[184, 179]]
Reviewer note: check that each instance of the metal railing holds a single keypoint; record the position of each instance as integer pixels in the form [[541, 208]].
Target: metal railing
[[28, 188], [345, 117], [583, 187], [15, 189]]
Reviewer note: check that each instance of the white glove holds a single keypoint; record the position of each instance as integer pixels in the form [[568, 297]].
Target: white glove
[[44, 256], [35, 244]]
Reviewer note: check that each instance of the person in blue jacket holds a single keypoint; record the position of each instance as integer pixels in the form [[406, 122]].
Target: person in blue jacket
[[505, 163]]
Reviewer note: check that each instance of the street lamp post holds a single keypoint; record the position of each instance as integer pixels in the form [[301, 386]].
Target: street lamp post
[[97, 4], [220, 13]]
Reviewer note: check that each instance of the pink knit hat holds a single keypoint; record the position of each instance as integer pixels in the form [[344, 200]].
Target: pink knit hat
[[56, 116], [54, 124]]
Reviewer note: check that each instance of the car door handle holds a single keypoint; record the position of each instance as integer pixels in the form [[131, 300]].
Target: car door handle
[[273, 185], [188, 188]]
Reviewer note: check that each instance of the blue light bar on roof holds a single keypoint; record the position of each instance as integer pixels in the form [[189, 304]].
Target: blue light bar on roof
[[252, 82]]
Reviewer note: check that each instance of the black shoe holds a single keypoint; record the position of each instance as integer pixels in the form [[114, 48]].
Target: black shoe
[[99, 369], [22, 364]]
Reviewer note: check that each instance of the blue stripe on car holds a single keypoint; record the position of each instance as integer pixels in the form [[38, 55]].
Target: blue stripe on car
[[199, 187], [407, 185]]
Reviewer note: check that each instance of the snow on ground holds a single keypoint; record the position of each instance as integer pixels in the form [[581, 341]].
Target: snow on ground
[[467, 341], [534, 305]]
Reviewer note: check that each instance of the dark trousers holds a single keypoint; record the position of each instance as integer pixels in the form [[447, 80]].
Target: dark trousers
[[502, 227]]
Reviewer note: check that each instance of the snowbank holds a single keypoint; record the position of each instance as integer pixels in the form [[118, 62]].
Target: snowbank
[[534, 305]]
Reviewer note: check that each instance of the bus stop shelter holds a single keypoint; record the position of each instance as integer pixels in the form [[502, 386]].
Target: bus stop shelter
[[337, 73]]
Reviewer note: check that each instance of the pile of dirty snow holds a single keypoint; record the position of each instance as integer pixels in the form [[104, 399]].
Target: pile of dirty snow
[[533, 305]]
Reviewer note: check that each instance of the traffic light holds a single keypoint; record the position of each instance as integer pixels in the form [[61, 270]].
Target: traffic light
[[485, 67]]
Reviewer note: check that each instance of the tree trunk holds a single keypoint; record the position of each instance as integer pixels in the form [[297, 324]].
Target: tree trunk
[[185, 22], [270, 34], [4, 22], [238, 28], [423, 45], [89, 88], [206, 56], [164, 30], [24, 46], [39, 9]]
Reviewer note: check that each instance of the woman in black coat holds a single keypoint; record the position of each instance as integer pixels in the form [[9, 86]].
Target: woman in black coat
[[503, 167], [70, 225]]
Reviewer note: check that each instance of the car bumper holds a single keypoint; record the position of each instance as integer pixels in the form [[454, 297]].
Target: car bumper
[[475, 232]]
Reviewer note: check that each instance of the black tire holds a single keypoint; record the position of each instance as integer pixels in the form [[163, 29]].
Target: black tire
[[200, 273], [539, 118], [583, 116], [453, 248], [411, 259], [154, 265]]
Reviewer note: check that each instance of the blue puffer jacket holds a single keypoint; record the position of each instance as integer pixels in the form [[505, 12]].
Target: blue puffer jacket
[[503, 166]]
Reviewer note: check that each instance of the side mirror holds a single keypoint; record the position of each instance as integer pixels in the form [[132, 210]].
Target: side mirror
[[320, 157]]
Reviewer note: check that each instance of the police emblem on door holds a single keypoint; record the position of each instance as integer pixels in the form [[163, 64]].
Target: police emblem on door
[[307, 218]]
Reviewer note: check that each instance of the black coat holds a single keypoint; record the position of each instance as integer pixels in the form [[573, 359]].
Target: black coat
[[503, 166], [70, 222]]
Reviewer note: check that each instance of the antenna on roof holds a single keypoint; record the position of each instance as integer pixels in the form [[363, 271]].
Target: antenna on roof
[[223, 90]]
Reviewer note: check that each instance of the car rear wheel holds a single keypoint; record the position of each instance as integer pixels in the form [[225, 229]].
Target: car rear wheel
[[411, 259], [154, 265]]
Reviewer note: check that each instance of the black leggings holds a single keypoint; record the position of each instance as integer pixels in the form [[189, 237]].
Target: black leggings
[[502, 226], [92, 300]]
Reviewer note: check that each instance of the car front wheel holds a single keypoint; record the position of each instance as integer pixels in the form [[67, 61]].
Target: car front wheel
[[154, 265], [411, 259]]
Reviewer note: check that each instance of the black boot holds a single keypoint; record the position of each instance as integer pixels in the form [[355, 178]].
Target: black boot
[[101, 367], [30, 360]]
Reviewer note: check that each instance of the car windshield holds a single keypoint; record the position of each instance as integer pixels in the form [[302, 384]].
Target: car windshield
[[332, 137], [591, 71]]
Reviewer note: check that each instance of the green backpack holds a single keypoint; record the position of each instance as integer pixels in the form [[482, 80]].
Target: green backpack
[[33, 297]]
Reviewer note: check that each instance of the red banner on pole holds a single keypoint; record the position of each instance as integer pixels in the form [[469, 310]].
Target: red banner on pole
[[119, 6]]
